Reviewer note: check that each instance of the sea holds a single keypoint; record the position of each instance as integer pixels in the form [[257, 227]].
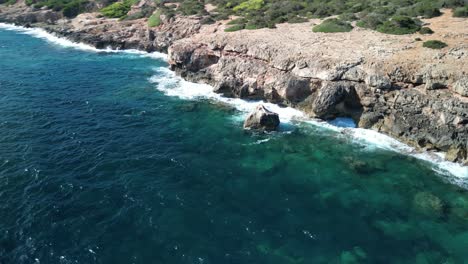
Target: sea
[[108, 157]]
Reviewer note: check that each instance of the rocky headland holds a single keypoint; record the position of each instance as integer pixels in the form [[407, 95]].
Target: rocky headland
[[389, 83]]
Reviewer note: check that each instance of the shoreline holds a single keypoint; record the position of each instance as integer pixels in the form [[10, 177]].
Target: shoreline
[[191, 91], [387, 92]]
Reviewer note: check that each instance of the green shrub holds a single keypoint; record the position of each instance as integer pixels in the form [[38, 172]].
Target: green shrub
[[234, 28], [115, 10], [237, 21], [333, 25], [118, 9], [73, 8], [399, 25], [155, 19], [249, 5], [434, 44], [418, 39], [426, 31], [207, 21], [191, 7], [348, 17], [296, 19], [220, 16], [426, 9], [461, 12], [371, 21], [251, 26], [134, 16]]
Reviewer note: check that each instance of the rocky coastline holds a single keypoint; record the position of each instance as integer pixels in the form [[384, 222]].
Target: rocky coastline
[[384, 82]]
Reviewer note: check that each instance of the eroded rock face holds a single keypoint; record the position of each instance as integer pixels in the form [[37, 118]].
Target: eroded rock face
[[461, 86], [336, 99], [417, 107], [101, 32], [262, 119]]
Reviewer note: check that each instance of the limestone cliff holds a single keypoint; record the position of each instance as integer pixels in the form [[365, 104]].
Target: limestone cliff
[[387, 83]]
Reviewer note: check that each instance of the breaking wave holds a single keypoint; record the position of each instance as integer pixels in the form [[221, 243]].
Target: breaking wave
[[172, 85], [51, 38]]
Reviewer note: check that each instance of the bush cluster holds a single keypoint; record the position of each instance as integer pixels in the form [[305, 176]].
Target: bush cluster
[[155, 19], [387, 16], [426, 31], [69, 8], [399, 25], [434, 44], [461, 12], [118, 9], [372, 14], [333, 25], [8, 2]]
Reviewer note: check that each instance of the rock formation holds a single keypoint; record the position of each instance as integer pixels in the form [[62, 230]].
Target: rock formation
[[262, 119]]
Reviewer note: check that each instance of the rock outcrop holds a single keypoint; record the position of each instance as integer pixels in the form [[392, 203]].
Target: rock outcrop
[[262, 119], [101, 32], [396, 87]]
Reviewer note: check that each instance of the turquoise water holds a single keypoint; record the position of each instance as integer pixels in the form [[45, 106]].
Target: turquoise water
[[99, 166]]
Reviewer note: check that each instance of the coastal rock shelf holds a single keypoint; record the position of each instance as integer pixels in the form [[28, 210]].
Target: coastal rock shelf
[[384, 82]]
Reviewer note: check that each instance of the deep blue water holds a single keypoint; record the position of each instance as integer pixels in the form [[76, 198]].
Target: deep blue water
[[98, 166]]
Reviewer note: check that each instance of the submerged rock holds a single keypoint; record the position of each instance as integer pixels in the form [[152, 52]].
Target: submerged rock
[[428, 204], [356, 255], [263, 119]]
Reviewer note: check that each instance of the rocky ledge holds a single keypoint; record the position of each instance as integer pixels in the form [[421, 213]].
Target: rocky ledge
[[384, 82]]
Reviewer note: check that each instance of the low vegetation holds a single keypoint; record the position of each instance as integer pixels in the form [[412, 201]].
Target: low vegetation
[[234, 28], [400, 25], [461, 12], [8, 2], [333, 25], [434, 44], [155, 19], [386, 16], [118, 9], [390, 16], [426, 31]]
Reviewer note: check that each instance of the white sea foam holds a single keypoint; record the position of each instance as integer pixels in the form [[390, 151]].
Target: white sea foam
[[172, 85], [63, 42]]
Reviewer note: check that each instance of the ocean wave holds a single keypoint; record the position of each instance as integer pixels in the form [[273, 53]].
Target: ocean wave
[[172, 85], [63, 42]]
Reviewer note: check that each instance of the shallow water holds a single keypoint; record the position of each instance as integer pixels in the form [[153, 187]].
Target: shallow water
[[100, 164]]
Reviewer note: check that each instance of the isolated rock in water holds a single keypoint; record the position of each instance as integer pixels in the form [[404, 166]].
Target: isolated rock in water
[[428, 204], [263, 119]]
